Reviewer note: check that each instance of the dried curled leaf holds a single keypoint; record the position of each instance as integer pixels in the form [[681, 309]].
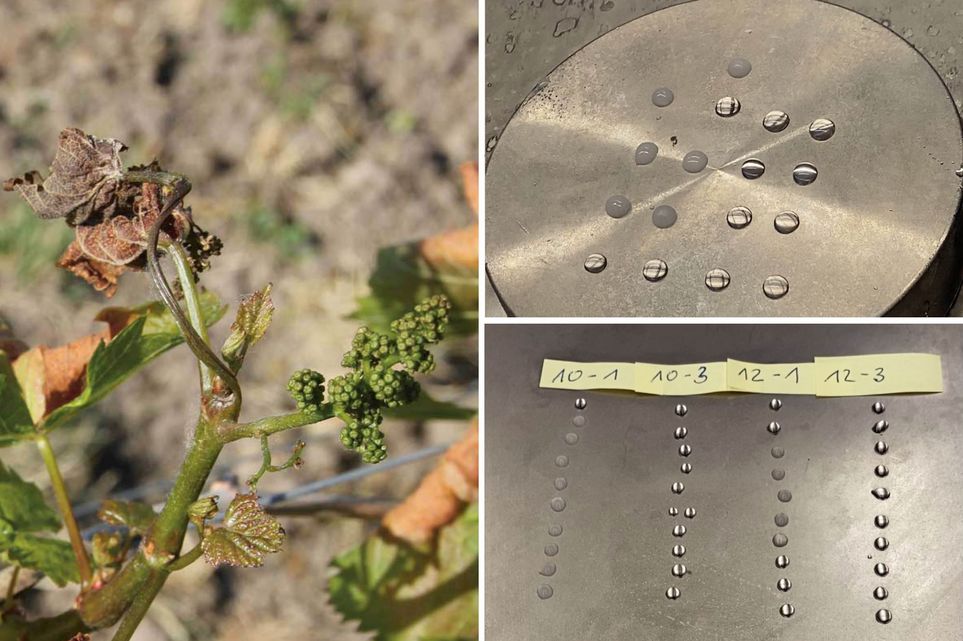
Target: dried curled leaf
[[83, 180], [253, 319], [247, 534]]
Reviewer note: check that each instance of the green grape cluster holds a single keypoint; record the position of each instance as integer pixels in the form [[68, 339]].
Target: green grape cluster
[[307, 389]]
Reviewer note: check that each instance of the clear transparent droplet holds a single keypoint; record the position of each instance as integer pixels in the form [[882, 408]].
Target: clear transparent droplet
[[880, 593], [727, 106], [880, 426], [689, 513], [739, 67], [555, 530], [778, 474], [561, 483], [881, 521], [678, 487], [673, 511], [778, 452], [617, 206], [681, 410], [545, 591], [881, 471], [595, 263], [878, 407], [787, 610], [822, 129], [561, 461], [551, 549], [753, 168], [681, 432], [784, 496], [739, 217], [655, 270], [580, 403], [678, 530], [662, 97], [678, 551], [780, 540], [775, 404], [881, 447], [805, 173], [775, 121], [784, 584], [578, 421], [775, 287], [678, 570], [781, 519], [664, 216], [695, 161], [881, 493], [786, 223], [686, 468], [685, 450], [548, 569], [558, 503], [782, 561], [646, 153], [884, 616], [717, 279], [774, 427], [881, 543], [673, 593], [881, 569]]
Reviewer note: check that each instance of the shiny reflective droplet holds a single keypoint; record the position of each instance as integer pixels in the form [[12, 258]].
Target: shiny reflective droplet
[[787, 610], [689, 513], [678, 530], [561, 483], [678, 570], [775, 404], [551, 549], [881, 471], [775, 287], [881, 569], [753, 169], [685, 450], [678, 551], [578, 421], [580, 403], [782, 561], [717, 279], [778, 452], [786, 223], [662, 97], [784, 584], [545, 591], [782, 519], [561, 461], [804, 173], [739, 217], [678, 487], [673, 593], [822, 129], [780, 540], [595, 263], [778, 474], [739, 67], [880, 426], [681, 410], [881, 493], [727, 106], [686, 468], [548, 569], [681, 432], [881, 521], [646, 153], [884, 616], [555, 530], [673, 511], [773, 427], [880, 593], [571, 438], [775, 121], [881, 543], [558, 504], [878, 407], [881, 447], [655, 270], [617, 206], [664, 216], [694, 162], [784, 495]]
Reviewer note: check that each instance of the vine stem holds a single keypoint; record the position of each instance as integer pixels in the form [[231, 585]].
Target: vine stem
[[142, 602], [63, 502], [186, 559]]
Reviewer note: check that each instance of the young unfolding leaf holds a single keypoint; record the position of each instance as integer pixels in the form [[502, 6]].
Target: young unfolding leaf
[[253, 319], [247, 534], [136, 517], [53, 557], [15, 420], [22, 507], [202, 509], [108, 549]]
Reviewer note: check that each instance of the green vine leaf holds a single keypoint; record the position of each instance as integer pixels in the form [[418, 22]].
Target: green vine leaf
[[426, 408], [22, 507], [253, 319], [136, 517], [53, 557], [247, 534], [15, 421]]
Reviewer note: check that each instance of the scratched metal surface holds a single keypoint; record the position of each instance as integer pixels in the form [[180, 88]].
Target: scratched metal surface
[[614, 559]]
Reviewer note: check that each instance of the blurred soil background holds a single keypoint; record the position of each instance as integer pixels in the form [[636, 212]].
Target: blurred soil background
[[314, 132]]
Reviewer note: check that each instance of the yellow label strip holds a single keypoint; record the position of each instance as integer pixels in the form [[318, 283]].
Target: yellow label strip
[[771, 378], [582, 376], [878, 374], [680, 380]]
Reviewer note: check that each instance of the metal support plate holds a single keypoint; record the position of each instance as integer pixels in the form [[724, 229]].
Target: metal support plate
[[609, 568], [876, 230]]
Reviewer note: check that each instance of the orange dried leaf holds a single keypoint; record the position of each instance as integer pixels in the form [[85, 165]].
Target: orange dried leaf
[[469, 178]]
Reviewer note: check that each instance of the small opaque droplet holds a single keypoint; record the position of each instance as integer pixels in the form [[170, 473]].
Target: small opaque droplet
[[561, 483], [786, 223], [775, 404], [664, 216], [784, 496], [775, 286], [681, 432], [884, 616], [784, 584], [727, 106], [880, 593], [880, 426], [686, 468], [739, 217], [571, 438], [685, 450], [782, 519], [773, 427], [655, 270], [662, 97], [753, 168], [878, 407], [804, 173], [681, 410], [822, 129], [881, 543], [672, 593], [717, 279], [775, 121], [881, 569], [782, 561], [881, 471], [673, 511], [739, 67], [548, 569], [778, 474], [545, 591], [561, 461], [678, 530], [555, 530], [551, 549], [780, 540], [778, 452], [881, 493], [695, 161], [580, 403], [689, 512], [595, 263], [787, 610], [881, 521], [678, 551], [617, 206], [678, 487], [558, 503], [646, 153], [881, 447], [678, 570]]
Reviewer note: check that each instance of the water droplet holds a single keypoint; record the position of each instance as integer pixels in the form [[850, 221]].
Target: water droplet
[[773, 427], [580, 403], [673, 511], [686, 468], [778, 452], [880, 593], [881, 521], [787, 610], [775, 404], [786, 223], [678, 550], [886, 23], [717, 279], [555, 530], [664, 216], [775, 121], [617, 206], [646, 153], [780, 540], [678, 487], [673, 593], [681, 432], [822, 129], [678, 570], [548, 569], [881, 447], [678, 530], [595, 263], [782, 561], [727, 106], [881, 569], [881, 543], [558, 504], [571, 438], [685, 450], [880, 426], [881, 493], [753, 169], [782, 519], [739, 67], [784, 584], [778, 474], [545, 591], [662, 97], [932, 30], [689, 512], [561, 461], [551, 549], [681, 410], [959, 172], [878, 407], [739, 217], [561, 483], [884, 616], [805, 173], [655, 270], [881, 471], [784, 496], [694, 162]]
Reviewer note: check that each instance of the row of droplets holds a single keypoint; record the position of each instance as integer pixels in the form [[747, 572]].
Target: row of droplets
[[781, 519], [883, 615], [679, 570]]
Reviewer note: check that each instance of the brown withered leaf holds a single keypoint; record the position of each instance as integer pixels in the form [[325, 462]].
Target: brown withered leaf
[[83, 181], [457, 248], [469, 181]]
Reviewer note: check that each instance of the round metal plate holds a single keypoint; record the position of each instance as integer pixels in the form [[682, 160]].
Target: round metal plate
[[877, 220]]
